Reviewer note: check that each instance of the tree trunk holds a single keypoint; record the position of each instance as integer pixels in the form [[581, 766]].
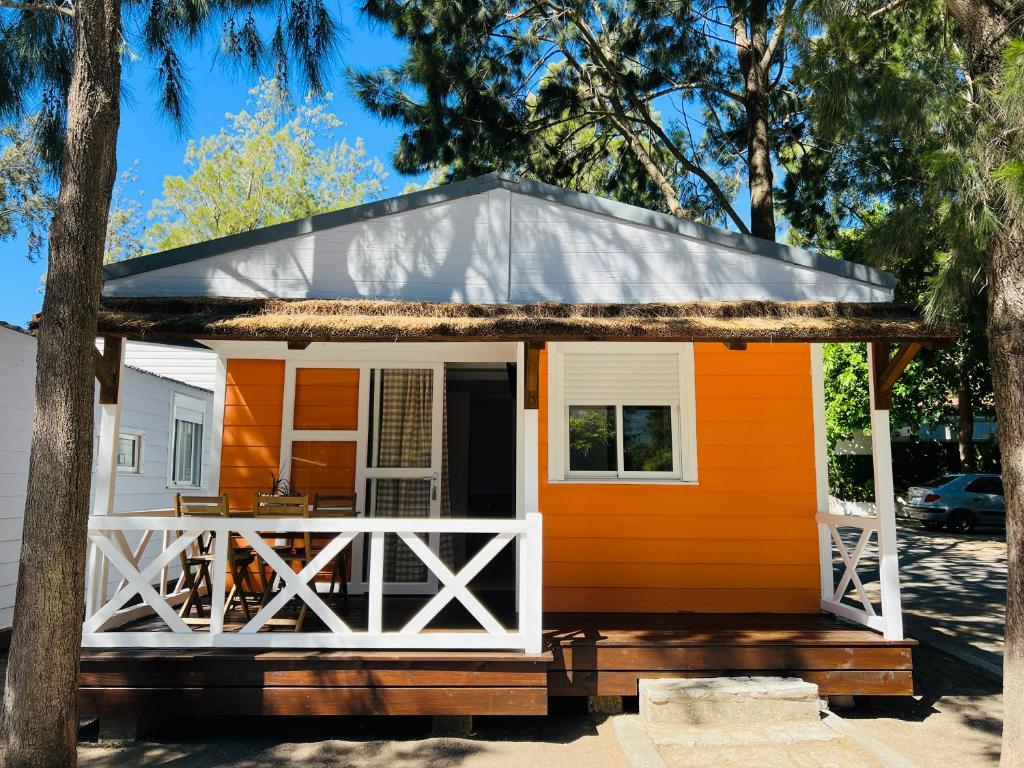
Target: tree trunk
[[39, 724], [1006, 351], [965, 409], [750, 28], [987, 26]]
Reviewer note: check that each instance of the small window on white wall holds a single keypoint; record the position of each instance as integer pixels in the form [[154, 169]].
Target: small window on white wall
[[622, 411], [187, 418], [129, 453]]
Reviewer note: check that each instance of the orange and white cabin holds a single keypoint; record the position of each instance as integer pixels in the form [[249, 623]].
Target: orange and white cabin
[[584, 444]]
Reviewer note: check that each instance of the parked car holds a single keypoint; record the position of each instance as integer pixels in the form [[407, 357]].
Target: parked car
[[957, 502]]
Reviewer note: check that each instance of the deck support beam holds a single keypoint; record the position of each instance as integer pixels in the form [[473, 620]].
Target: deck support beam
[[883, 371], [451, 725]]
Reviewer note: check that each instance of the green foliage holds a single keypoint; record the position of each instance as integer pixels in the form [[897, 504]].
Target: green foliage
[[25, 205], [590, 96], [592, 432], [37, 48], [275, 162]]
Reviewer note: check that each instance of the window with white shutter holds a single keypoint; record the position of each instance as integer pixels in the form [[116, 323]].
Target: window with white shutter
[[621, 411]]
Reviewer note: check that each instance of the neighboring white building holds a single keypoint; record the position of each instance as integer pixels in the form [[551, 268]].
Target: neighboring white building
[[153, 464]]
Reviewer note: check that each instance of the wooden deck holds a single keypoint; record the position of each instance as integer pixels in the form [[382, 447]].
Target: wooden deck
[[585, 655]]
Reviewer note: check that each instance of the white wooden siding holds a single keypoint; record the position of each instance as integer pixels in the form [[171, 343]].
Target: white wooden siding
[[497, 246], [191, 365], [146, 411], [560, 253], [437, 253]]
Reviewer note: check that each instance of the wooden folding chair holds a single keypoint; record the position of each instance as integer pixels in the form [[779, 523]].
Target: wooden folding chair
[[338, 505], [298, 549], [202, 558]]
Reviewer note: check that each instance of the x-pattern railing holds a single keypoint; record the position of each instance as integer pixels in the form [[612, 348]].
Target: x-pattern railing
[[834, 592], [106, 624]]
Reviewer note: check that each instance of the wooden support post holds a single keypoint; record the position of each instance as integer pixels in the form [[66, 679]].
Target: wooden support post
[[109, 366], [885, 505], [110, 372], [532, 375], [887, 370]]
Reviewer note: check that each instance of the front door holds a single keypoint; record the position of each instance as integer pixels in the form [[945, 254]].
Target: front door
[[402, 470]]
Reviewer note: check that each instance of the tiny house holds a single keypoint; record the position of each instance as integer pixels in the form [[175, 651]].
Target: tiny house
[[580, 444]]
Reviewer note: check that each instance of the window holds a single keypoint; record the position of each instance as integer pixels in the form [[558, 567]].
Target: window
[[992, 485], [622, 412], [129, 453], [939, 481], [187, 441]]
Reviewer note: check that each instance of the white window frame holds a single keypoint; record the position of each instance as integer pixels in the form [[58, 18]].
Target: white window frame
[[192, 403], [683, 414], [135, 469]]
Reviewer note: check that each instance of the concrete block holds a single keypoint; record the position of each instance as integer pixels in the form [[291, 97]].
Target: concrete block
[[724, 702]]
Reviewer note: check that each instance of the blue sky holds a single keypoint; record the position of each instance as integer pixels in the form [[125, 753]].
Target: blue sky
[[148, 138]]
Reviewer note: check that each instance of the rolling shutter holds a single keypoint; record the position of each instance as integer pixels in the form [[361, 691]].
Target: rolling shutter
[[640, 379]]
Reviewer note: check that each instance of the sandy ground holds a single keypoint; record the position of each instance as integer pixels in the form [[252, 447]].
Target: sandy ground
[[955, 720], [551, 742]]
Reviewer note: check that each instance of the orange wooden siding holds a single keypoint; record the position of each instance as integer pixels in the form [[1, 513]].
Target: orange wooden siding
[[251, 453], [742, 539], [326, 398], [323, 467]]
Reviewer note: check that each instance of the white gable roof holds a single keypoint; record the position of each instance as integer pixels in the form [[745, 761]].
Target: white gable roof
[[497, 239]]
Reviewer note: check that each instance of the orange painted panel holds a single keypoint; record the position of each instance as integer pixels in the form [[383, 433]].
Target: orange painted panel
[[251, 455], [323, 467], [326, 398], [743, 538]]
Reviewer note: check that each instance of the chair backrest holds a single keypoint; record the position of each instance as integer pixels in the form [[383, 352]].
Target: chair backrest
[[334, 505], [201, 506], [280, 506]]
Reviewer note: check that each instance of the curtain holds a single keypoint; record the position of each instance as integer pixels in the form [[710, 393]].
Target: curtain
[[404, 440]]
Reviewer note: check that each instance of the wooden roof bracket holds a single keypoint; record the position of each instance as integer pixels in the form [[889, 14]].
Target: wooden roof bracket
[[531, 376], [108, 368], [886, 369], [735, 346]]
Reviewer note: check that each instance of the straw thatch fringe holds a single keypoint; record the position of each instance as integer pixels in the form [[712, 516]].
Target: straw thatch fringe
[[358, 320]]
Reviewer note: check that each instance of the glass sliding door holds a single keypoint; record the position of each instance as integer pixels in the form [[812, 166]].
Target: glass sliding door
[[403, 463]]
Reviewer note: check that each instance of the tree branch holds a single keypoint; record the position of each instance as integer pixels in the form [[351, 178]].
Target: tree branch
[[782, 20], [890, 6], [63, 8]]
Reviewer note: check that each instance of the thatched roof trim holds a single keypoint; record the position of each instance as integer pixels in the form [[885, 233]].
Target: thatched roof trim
[[355, 320]]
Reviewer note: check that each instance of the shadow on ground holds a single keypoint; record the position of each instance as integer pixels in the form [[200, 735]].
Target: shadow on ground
[[395, 742]]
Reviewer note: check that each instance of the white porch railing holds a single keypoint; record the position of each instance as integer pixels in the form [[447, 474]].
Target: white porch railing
[[146, 584], [855, 553]]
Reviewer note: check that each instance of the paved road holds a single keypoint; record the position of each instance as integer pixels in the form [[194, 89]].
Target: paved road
[[953, 588], [956, 585]]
